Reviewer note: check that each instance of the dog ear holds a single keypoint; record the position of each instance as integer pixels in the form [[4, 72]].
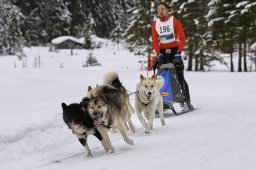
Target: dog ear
[[142, 77], [85, 101], [89, 88], [64, 106], [153, 77]]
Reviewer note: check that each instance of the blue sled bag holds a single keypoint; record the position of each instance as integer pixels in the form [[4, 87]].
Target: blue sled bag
[[166, 90], [171, 91]]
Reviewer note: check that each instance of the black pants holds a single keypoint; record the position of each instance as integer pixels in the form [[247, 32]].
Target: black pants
[[169, 55]]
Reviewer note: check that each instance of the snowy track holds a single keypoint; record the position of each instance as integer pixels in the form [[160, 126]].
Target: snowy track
[[220, 135]]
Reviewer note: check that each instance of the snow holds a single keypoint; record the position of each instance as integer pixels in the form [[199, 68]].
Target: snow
[[191, 1], [220, 134], [241, 4], [250, 5], [196, 21], [95, 39], [61, 39], [253, 46]]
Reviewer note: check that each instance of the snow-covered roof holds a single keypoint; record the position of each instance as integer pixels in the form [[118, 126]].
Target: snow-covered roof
[[61, 39], [94, 39]]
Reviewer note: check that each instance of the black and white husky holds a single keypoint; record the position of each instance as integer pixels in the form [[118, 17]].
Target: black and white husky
[[78, 120]]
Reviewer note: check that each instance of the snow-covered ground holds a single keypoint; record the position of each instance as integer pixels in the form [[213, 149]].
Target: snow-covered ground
[[219, 135]]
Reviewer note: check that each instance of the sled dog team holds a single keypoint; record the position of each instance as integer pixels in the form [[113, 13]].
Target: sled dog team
[[107, 106]]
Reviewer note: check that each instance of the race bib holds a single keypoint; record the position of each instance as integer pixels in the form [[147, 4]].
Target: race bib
[[165, 30]]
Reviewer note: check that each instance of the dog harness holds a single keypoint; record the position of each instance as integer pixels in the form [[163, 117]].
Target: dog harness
[[141, 97]]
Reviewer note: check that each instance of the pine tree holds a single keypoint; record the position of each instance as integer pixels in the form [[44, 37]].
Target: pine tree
[[246, 14], [55, 18], [11, 39], [192, 15], [138, 34], [78, 17], [223, 28], [232, 25], [44, 20], [88, 31]]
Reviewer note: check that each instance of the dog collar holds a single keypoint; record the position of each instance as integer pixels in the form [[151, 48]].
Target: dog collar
[[86, 128], [106, 126], [83, 109], [145, 103]]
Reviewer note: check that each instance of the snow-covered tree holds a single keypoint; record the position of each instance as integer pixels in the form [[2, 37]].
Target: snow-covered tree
[[11, 40], [44, 20], [232, 25], [138, 34], [192, 16], [88, 31]]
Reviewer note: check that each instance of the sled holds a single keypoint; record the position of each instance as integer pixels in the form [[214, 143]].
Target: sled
[[168, 114], [171, 90]]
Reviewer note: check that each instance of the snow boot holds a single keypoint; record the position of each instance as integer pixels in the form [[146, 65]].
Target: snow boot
[[184, 107], [190, 106]]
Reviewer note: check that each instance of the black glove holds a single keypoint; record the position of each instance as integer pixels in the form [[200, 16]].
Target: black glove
[[177, 59], [160, 56], [157, 63]]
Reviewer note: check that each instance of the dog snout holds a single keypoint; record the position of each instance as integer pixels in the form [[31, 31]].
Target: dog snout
[[149, 93], [96, 114]]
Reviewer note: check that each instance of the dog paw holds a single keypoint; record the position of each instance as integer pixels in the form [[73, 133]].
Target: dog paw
[[148, 128], [147, 131], [110, 152], [129, 141], [89, 154]]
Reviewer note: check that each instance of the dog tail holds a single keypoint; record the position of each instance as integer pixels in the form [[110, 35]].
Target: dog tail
[[159, 82], [112, 78]]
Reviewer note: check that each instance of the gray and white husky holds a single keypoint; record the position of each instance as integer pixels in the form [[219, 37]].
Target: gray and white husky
[[109, 106], [148, 99]]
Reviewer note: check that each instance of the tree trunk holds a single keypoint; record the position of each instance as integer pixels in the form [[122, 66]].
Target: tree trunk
[[255, 61], [231, 53], [231, 61], [201, 60], [190, 57], [240, 57], [196, 58], [196, 63], [245, 62]]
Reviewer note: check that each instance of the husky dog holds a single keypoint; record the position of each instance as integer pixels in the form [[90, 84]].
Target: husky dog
[[78, 120], [109, 106], [148, 99]]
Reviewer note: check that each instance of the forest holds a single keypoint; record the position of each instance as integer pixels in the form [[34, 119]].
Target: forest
[[212, 27]]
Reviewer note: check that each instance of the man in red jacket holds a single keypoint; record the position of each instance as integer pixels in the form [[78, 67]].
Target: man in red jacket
[[168, 41]]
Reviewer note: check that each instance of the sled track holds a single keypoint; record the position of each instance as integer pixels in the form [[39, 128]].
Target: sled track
[[57, 161]]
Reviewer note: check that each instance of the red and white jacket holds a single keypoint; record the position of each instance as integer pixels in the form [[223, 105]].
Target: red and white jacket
[[178, 40]]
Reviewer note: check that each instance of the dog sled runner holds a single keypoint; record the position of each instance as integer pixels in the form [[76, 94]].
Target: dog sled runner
[[171, 90]]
